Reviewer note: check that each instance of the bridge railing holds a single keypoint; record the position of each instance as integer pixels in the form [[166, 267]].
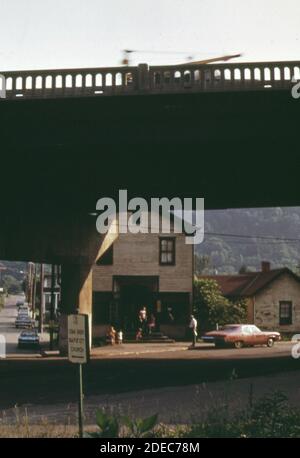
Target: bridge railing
[[70, 82], [153, 79], [224, 77]]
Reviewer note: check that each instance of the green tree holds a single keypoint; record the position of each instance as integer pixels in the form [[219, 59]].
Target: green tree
[[202, 264], [12, 285], [212, 308]]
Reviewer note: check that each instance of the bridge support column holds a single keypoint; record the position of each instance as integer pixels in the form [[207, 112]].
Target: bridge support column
[[76, 296]]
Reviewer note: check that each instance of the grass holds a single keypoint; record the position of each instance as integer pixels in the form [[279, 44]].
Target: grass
[[270, 416], [20, 427]]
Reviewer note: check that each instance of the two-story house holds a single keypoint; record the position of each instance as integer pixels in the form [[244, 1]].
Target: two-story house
[[154, 270]]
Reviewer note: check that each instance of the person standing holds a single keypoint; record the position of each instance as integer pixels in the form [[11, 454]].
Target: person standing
[[193, 326], [143, 314], [111, 335], [143, 319]]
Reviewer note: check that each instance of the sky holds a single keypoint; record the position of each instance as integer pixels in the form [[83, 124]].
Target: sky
[[41, 34]]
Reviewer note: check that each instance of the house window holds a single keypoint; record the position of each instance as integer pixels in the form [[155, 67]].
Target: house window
[[285, 312], [107, 258], [167, 251]]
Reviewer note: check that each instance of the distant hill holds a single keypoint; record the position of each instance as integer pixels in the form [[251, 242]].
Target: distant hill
[[228, 254], [12, 275]]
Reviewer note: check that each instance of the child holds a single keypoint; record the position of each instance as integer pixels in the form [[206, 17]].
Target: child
[[139, 334], [120, 337], [151, 324], [111, 336]]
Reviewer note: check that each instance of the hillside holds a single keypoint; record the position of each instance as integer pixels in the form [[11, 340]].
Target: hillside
[[227, 254], [12, 275]]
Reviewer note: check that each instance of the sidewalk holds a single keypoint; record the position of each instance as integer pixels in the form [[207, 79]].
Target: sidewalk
[[138, 348], [126, 349], [202, 350]]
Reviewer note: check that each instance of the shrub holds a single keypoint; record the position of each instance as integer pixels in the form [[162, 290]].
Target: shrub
[[211, 307], [270, 416], [112, 426]]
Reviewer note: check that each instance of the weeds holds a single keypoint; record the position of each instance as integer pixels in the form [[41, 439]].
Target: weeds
[[269, 416]]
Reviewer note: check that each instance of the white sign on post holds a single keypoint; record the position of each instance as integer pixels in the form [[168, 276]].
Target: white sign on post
[[78, 338]]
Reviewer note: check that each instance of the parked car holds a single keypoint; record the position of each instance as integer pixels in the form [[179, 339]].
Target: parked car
[[23, 309], [240, 335], [23, 320], [29, 339]]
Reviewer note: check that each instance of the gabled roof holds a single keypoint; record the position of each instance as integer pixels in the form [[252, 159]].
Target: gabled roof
[[247, 284]]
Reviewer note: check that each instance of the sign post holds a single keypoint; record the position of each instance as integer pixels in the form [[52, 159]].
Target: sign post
[[79, 353]]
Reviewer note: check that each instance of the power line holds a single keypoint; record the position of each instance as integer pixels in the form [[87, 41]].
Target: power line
[[262, 237], [149, 51], [270, 238], [260, 242]]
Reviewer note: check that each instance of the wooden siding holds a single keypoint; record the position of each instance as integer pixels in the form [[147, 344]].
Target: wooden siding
[[138, 254]]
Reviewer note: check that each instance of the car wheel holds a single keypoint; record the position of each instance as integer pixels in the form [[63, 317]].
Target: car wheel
[[238, 344], [270, 342]]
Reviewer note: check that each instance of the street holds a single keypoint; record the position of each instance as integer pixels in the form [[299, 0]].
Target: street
[[8, 330], [129, 370]]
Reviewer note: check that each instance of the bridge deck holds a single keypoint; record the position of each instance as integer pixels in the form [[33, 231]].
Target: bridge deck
[[144, 79]]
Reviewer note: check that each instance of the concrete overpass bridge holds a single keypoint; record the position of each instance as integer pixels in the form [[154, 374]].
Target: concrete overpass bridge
[[226, 132]]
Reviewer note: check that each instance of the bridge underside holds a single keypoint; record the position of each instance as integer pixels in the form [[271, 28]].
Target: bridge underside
[[59, 156], [235, 149]]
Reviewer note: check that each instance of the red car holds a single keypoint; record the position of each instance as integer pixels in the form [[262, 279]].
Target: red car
[[240, 335]]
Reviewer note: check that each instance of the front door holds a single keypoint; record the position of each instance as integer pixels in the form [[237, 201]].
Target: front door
[[133, 298]]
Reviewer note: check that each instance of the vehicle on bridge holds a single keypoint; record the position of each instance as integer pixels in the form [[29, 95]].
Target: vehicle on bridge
[[29, 339], [240, 335]]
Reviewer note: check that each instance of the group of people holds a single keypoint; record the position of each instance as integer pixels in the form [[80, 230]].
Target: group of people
[[114, 337], [146, 327]]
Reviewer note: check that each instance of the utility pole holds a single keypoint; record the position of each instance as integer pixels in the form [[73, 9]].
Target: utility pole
[[34, 274], [41, 314], [52, 305], [30, 284]]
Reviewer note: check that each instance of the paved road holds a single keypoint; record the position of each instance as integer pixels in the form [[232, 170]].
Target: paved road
[[182, 351], [7, 328], [132, 368], [54, 380]]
